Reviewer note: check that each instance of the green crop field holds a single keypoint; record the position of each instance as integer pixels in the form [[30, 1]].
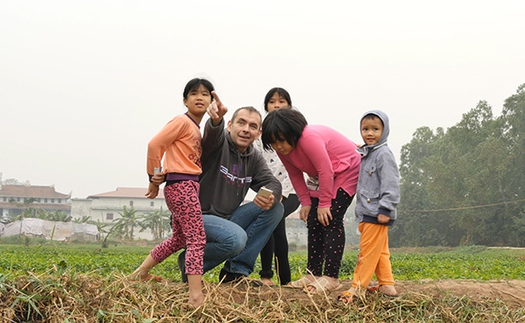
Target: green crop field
[[42, 281], [476, 262]]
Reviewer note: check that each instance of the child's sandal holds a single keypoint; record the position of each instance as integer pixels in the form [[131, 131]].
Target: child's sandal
[[300, 284], [346, 298]]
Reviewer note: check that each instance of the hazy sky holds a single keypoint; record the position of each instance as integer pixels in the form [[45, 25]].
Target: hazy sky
[[84, 85]]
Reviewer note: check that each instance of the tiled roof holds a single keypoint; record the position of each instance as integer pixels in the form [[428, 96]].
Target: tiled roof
[[31, 191], [127, 192]]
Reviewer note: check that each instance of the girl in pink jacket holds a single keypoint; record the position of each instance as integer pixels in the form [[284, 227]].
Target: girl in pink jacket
[[332, 164]]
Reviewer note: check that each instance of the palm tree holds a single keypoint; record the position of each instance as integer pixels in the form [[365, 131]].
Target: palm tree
[[101, 226], [158, 221], [84, 219], [27, 209], [125, 224], [57, 216]]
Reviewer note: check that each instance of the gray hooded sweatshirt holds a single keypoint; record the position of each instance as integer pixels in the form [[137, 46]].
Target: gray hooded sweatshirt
[[378, 185], [228, 175]]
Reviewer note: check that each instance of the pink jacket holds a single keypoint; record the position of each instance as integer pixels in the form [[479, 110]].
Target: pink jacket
[[324, 153]]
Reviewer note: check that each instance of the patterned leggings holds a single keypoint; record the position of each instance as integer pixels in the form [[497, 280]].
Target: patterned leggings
[[326, 244], [182, 199]]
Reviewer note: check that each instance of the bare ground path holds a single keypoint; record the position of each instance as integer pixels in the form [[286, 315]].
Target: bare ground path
[[511, 292]]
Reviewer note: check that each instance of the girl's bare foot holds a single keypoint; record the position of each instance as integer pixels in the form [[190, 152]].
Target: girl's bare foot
[[196, 300], [303, 282], [267, 282], [333, 283]]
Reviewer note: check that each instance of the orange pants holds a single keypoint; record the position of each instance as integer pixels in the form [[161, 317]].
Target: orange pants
[[374, 256]]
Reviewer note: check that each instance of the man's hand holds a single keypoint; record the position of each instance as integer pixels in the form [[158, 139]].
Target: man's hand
[[324, 215], [264, 203], [153, 191], [216, 110]]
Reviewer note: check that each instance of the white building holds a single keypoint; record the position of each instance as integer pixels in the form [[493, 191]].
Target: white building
[[15, 199], [106, 207], [296, 231]]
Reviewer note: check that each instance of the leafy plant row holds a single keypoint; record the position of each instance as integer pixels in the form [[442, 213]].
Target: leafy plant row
[[479, 263]]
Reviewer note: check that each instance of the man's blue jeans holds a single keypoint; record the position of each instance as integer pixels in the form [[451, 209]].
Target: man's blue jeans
[[239, 239]]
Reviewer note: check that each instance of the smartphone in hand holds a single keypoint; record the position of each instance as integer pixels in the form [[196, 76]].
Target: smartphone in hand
[[265, 192]]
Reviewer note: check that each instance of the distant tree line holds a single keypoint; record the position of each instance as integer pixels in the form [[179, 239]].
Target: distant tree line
[[465, 185]]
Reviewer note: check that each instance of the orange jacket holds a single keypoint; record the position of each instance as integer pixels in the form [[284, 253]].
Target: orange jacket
[[180, 140]]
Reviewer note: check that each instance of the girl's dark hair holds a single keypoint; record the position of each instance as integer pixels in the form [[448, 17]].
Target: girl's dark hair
[[282, 92], [283, 125], [194, 84]]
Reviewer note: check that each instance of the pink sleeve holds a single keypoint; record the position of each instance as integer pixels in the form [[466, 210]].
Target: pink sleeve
[[314, 146]]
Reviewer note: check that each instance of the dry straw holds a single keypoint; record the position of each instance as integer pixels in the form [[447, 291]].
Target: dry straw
[[90, 298]]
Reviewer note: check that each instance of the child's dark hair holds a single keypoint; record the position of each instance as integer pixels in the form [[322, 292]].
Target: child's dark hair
[[372, 116], [194, 84], [282, 92], [283, 125]]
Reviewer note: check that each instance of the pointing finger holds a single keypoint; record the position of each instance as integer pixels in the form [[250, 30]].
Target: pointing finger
[[216, 97], [212, 110]]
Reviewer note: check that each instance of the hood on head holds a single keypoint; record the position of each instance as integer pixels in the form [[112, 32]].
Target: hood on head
[[386, 125]]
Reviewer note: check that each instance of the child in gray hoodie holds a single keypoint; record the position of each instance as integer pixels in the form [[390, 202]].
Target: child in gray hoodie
[[376, 202]]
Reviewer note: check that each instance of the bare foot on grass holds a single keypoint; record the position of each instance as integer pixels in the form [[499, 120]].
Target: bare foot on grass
[[323, 284], [196, 300]]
